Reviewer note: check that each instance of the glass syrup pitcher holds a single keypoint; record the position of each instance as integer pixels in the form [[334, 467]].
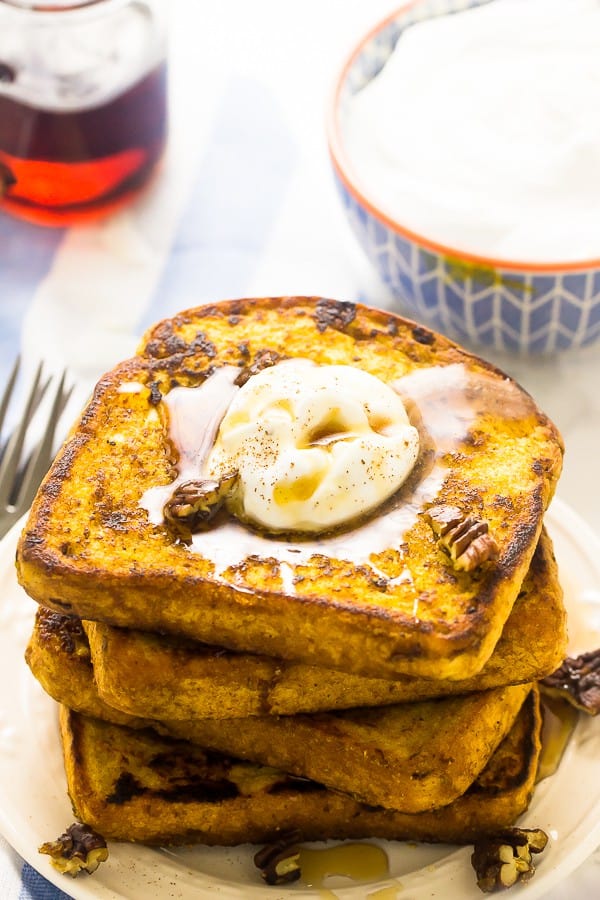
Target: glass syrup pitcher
[[83, 104]]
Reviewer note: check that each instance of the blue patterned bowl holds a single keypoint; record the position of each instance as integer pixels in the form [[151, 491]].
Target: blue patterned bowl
[[521, 307]]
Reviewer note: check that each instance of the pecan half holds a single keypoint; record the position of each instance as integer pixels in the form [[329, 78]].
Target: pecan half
[[279, 863], [577, 680], [466, 538], [79, 849], [505, 858], [194, 504], [264, 359]]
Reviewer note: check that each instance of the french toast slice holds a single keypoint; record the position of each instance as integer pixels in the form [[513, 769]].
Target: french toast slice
[[382, 599], [58, 654], [410, 757], [157, 676], [136, 786], [401, 757]]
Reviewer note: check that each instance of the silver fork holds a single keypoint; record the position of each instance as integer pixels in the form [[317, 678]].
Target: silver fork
[[20, 477]]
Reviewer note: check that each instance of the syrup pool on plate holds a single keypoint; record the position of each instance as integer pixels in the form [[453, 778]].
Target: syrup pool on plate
[[83, 106], [360, 862]]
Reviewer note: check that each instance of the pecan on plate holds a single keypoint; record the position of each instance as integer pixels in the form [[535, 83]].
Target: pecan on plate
[[279, 863], [79, 849], [505, 858], [577, 680]]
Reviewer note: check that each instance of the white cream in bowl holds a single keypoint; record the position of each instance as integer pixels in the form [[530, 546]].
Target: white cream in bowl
[[481, 131]]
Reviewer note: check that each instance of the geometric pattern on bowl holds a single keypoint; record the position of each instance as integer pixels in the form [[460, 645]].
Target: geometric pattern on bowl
[[514, 307]]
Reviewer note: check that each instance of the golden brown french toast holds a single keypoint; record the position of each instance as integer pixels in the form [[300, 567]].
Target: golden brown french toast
[[157, 676], [404, 756], [136, 786], [382, 599], [411, 756], [58, 654]]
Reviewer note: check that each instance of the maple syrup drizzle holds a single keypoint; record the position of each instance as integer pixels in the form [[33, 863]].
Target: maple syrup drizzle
[[195, 415], [559, 721], [360, 862], [66, 163], [443, 402], [386, 893]]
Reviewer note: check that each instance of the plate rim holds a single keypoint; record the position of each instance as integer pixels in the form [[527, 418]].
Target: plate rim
[[560, 516]]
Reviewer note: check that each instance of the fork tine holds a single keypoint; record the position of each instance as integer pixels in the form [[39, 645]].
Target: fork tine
[[12, 454], [41, 458], [8, 391]]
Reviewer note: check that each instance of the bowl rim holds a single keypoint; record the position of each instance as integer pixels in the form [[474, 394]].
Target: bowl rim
[[352, 182]]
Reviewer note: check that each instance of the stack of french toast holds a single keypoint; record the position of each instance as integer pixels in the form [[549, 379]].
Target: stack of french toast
[[292, 575]]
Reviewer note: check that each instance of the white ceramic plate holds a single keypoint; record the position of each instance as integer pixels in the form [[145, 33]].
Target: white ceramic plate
[[34, 805]]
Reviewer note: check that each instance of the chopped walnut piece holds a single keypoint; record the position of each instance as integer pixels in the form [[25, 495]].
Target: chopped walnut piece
[[578, 681], [194, 504], [466, 538], [79, 849], [505, 858], [264, 359], [279, 863]]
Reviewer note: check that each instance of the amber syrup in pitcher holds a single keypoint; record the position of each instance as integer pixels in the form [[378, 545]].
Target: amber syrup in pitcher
[[63, 164]]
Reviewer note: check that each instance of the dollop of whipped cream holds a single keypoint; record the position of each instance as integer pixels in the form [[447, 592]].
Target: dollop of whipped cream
[[316, 447]]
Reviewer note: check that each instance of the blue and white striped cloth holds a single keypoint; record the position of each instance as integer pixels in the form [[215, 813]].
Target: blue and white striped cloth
[[244, 206], [19, 881]]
